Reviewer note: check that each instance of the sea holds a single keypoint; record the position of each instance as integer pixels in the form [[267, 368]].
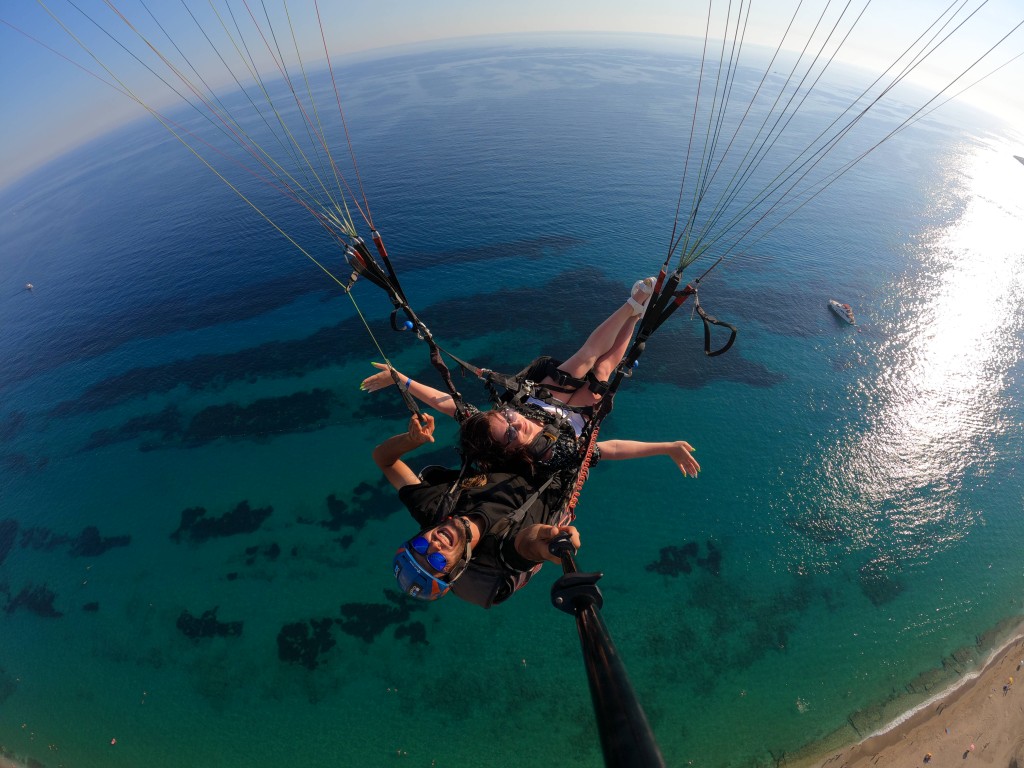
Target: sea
[[195, 544]]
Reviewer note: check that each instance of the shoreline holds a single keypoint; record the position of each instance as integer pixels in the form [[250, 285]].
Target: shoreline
[[971, 718]]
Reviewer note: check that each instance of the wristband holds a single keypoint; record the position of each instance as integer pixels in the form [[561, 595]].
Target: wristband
[[408, 383]]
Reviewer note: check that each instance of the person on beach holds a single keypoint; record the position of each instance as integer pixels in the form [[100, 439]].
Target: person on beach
[[543, 435], [482, 537]]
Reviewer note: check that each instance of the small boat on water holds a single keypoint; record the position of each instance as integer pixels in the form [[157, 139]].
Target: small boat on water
[[843, 310]]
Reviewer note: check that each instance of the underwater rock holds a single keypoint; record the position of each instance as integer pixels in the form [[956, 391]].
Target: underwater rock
[[986, 640], [38, 600], [369, 502], [197, 527], [337, 510], [270, 552], [11, 425], [415, 631], [166, 423], [298, 412], [89, 543], [40, 537], [876, 581], [207, 625], [92, 607], [929, 680], [818, 526], [367, 620], [713, 562], [674, 560], [305, 642], [8, 535], [22, 463], [8, 685], [455, 319]]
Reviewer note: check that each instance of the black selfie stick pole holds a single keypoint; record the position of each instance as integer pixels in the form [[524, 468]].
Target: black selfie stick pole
[[626, 738]]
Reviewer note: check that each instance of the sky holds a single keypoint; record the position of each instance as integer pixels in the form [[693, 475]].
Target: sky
[[51, 106]]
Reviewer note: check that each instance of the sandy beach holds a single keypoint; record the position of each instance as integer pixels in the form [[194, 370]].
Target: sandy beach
[[981, 720]]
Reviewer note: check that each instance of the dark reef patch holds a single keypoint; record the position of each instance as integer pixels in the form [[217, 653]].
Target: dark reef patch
[[451, 321], [42, 538], [92, 607], [22, 463], [8, 535], [304, 642], [166, 425], [176, 313], [367, 620], [817, 525], [194, 311], [878, 580], [307, 642], [207, 625], [270, 552], [11, 425], [674, 560], [369, 502], [8, 685], [197, 527], [89, 543], [298, 412], [415, 631], [37, 600]]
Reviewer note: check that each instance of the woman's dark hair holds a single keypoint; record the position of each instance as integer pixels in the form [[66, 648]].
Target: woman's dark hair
[[480, 450]]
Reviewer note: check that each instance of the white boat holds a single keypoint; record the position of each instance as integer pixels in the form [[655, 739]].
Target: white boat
[[843, 310]]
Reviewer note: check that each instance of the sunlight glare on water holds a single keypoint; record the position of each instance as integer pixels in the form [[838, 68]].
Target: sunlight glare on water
[[929, 416]]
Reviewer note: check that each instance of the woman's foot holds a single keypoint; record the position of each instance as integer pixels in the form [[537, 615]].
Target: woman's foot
[[642, 290]]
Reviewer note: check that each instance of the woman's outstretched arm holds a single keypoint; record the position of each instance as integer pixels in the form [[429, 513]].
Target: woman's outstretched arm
[[433, 398], [679, 451]]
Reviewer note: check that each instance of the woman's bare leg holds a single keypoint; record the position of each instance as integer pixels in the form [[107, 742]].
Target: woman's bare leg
[[606, 344], [606, 364]]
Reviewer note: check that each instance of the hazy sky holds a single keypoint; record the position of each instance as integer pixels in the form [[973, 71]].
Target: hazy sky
[[49, 105]]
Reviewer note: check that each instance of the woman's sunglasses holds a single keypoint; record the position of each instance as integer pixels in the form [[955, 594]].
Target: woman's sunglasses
[[511, 433]]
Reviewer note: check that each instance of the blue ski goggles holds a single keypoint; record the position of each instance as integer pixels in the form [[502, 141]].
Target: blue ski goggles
[[413, 578], [436, 560]]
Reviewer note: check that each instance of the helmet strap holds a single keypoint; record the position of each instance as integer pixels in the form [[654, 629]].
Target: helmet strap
[[460, 567]]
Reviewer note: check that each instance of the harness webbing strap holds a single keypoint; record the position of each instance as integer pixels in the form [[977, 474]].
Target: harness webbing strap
[[365, 264], [667, 298], [709, 321]]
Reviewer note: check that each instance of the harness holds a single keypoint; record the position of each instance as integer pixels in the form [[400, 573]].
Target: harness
[[666, 298], [489, 578]]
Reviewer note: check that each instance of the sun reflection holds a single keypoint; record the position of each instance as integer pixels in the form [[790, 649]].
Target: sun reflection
[[944, 366]]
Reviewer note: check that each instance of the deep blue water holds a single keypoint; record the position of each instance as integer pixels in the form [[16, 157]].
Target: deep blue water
[[861, 485]]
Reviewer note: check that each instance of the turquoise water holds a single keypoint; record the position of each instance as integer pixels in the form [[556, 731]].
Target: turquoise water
[[863, 485]]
